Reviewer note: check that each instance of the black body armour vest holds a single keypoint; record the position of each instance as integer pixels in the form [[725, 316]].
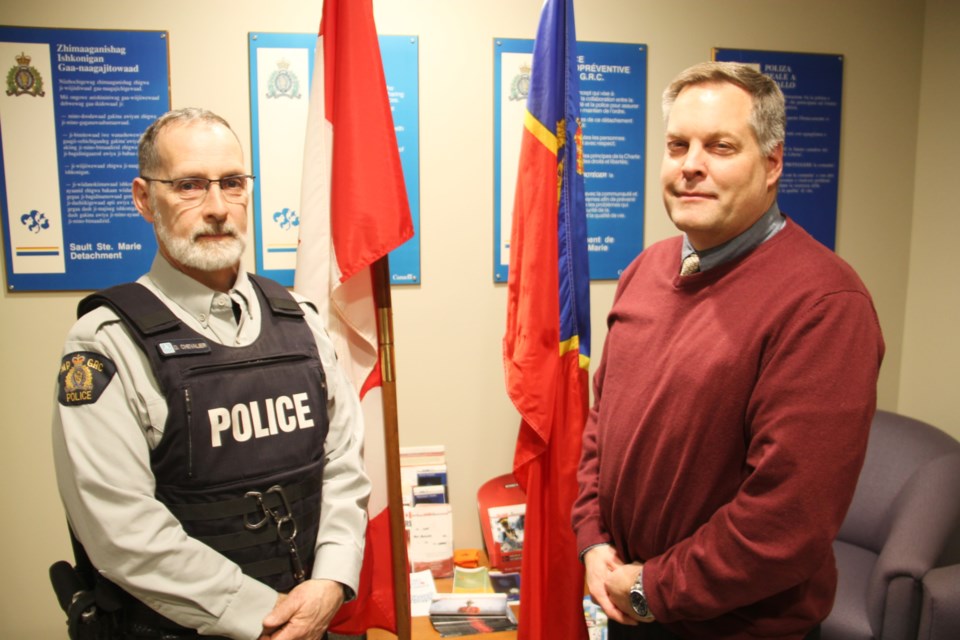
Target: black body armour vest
[[241, 457]]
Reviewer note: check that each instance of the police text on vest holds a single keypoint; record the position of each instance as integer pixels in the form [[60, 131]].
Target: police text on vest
[[251, 420]]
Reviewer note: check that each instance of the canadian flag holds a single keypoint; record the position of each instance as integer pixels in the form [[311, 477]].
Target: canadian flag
[[353, 211]]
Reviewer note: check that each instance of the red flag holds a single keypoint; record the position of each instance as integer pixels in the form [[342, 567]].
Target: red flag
[[546, 344], [354, 210]]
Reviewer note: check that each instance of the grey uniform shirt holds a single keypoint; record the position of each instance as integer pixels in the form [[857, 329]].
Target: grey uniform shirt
[[102, 457]]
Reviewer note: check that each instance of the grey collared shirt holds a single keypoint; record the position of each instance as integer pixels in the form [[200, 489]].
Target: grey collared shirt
[[769, 224], [205, 309]]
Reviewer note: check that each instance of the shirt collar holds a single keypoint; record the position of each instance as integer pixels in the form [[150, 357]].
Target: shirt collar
[[195, 298], [242, 293], [769, 224]]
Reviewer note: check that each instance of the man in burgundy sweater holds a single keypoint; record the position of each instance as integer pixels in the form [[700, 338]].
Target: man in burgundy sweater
[[734, 396]]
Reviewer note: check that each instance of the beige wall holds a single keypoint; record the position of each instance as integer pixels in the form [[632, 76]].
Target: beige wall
[[930, 373], [448, 330]]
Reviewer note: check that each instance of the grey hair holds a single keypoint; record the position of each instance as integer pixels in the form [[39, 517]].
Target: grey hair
[[147, 154], [768, 116]]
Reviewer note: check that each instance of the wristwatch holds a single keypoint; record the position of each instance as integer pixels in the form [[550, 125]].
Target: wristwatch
[[638, 599]]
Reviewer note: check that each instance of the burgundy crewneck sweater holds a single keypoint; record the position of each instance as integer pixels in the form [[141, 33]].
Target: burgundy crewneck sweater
[[732, 409]]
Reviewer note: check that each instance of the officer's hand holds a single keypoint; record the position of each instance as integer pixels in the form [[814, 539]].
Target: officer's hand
[[305, 613], [600, 562]]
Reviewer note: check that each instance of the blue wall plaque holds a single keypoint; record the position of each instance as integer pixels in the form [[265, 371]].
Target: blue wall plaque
[[71, 116], [281, 67], [613, 98], [812, 84]]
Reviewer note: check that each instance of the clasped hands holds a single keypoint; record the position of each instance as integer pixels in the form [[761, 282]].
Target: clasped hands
[[305, 612], [609, 581]]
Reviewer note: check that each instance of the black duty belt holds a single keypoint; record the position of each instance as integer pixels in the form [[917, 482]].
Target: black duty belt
[[249, 504]]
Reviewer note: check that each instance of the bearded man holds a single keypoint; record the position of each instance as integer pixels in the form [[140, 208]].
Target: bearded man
[[210, 465]]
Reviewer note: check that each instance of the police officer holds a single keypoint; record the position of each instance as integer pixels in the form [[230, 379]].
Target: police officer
[[207, 447]]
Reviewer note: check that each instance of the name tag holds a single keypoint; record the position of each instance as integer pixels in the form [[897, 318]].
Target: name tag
[[183, 347]]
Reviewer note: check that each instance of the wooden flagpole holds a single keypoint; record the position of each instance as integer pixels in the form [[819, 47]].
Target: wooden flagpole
[[380, 271]]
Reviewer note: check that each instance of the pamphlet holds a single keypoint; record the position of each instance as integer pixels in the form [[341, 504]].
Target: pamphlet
[[474, 580], [502, 509], [422, 590], [506, 526], [431, 494], [508, 583], [462, 614], [431, 539], [421, 467]]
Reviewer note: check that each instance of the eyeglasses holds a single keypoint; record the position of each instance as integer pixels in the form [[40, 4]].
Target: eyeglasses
[[233, 188]]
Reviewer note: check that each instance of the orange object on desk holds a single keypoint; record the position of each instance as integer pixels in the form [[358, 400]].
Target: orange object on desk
[[466, 558]]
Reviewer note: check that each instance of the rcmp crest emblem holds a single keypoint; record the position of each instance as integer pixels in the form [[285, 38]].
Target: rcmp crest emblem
[[24, 79], [520, 85], [283, 82], [83, 377], [79, 377]]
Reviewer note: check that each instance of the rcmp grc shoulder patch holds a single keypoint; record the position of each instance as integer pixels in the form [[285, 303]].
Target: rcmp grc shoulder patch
[[83, 377]]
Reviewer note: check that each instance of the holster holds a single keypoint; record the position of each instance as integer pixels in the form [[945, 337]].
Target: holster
[[97, 609], [93, 612]]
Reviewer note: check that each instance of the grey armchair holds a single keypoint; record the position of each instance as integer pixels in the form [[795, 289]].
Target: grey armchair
[[904, 514]]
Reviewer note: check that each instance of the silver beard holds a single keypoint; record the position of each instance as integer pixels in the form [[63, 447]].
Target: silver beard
[[207, 256]]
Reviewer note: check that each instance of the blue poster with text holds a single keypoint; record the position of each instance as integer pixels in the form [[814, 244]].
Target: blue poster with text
[[75, 104], [613, 99], [812, 84]]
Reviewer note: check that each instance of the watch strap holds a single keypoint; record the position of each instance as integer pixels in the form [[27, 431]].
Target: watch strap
[[638, 598]]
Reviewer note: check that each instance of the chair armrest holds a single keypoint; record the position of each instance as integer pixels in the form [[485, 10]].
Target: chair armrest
[[924, 515], [940, 615]]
